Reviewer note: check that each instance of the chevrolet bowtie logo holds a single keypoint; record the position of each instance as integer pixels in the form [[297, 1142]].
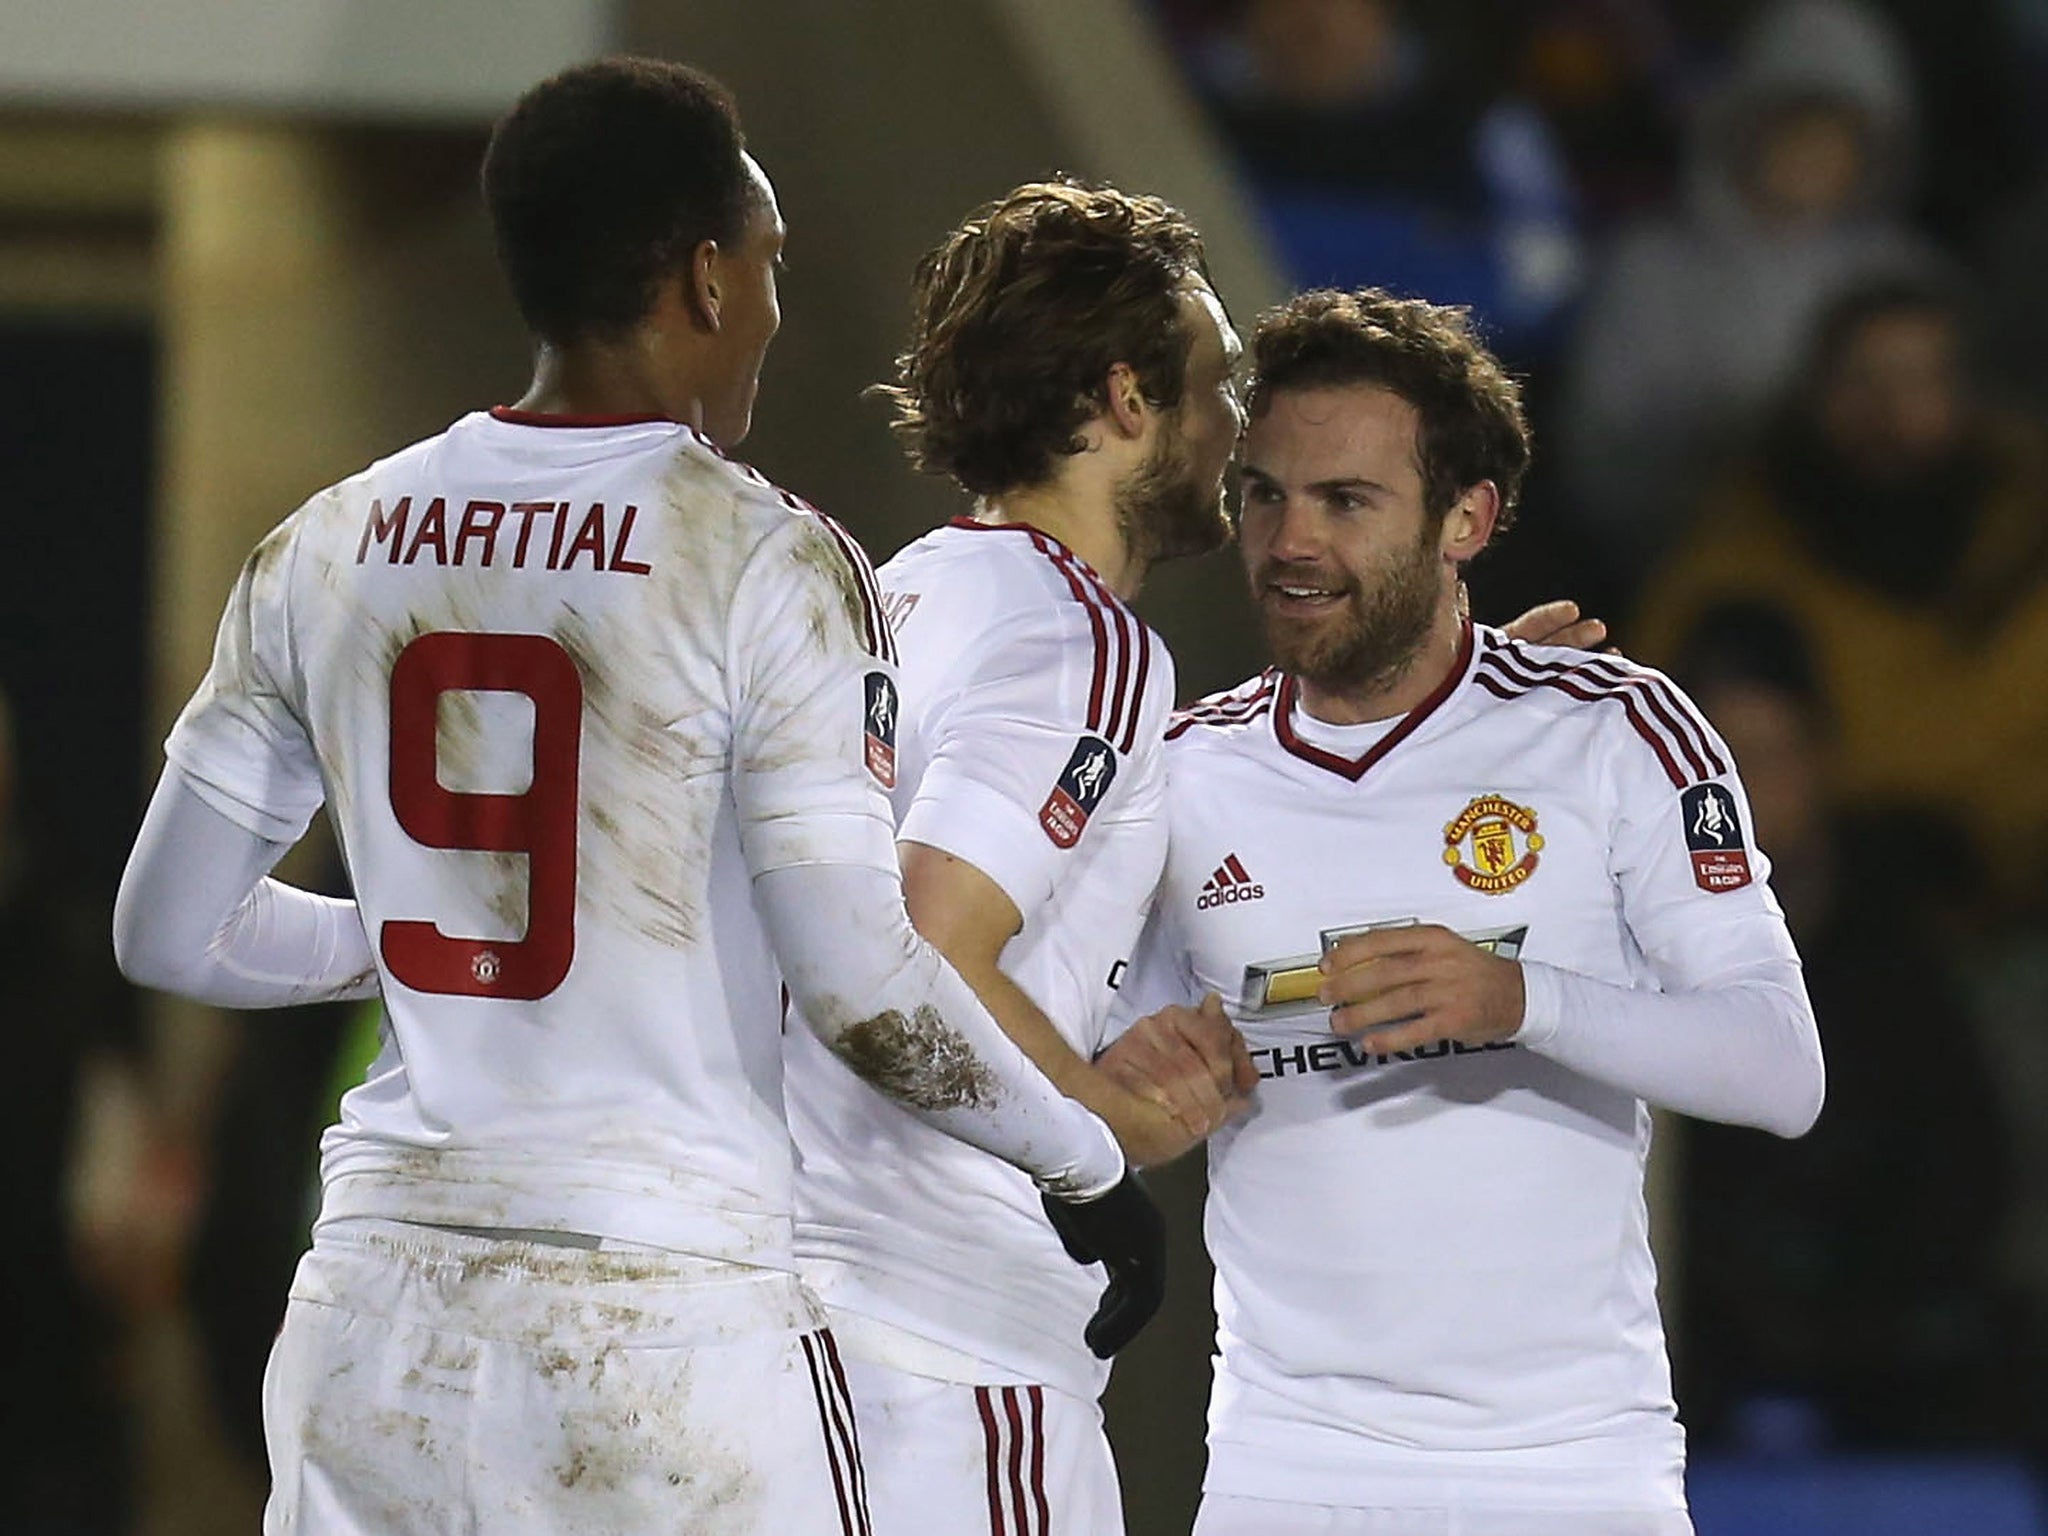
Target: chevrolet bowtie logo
[[1286, 987]]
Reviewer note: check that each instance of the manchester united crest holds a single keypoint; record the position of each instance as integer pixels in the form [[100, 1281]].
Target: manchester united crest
[[1492, 845]]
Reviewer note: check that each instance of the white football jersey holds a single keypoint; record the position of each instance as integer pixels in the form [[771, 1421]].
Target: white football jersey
[[565, 688], [1433, 1271], [1028, 744]]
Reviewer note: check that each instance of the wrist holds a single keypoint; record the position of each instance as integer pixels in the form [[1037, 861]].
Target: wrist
[[1096, 1166], [1541, 1010]]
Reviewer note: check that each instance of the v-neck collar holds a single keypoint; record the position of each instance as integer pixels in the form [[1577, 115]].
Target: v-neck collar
[[1355, 768]]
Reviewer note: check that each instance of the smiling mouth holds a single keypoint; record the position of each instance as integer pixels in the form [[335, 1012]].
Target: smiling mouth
[[1291, 595]]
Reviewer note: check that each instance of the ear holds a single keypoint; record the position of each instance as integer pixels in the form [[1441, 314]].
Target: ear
[[1124, 402], [1468, 526], [703, 286]]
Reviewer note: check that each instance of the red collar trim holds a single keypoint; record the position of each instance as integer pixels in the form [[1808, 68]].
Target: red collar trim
[[1354, 768], [518, 418]]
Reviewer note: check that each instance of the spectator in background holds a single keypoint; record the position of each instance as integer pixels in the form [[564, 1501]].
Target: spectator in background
[[1800, 165], [1904, 521], [1837, 1290], [1616, 80], [1380, 155]]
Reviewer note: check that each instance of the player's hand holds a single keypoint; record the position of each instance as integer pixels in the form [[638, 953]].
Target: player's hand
[[1413, 986], [1557, 623], [1192, 1072], [1123, 1231]]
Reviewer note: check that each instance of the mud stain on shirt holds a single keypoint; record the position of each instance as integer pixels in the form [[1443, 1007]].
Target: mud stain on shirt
[[921, 1061]]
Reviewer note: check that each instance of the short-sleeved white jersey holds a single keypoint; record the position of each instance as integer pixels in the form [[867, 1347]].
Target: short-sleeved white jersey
[[565, 689], [1028, 744], [1434, 1280]]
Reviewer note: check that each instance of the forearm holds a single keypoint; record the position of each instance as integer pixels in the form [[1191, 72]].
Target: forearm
[[1141, 1115], [197, 915], [888, 1004], [1746, 1052], [1033, 1033]]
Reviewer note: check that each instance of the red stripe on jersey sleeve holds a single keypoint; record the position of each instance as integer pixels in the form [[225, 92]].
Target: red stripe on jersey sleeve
[[878, 637], [1675, 713], [1682, 726], [1127, 698], [1138, 686], [1499, 661], [1079, 587], [1120, 700], [1611, 678]]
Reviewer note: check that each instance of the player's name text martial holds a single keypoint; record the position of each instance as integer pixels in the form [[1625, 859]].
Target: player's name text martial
[[537, 535]]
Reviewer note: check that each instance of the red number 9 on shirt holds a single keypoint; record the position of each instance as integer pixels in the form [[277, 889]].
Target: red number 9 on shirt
[[540, 822]]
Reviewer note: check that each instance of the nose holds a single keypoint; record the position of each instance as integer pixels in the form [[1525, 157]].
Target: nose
[[1297, 531]]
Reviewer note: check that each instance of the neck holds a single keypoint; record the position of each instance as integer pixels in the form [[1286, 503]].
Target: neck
[[607, 378], [1401, 689], [1087, 525]]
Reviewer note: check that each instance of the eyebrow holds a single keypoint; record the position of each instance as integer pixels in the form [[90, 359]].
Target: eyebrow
[[1342, 483]]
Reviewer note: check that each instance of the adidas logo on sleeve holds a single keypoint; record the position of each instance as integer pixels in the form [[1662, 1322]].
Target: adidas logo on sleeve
[[1230, 883]]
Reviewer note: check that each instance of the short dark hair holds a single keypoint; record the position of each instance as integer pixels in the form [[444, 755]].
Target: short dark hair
[[601, 180], [1878, 296], [1019, 315], [1751, 642], [1472, 428]]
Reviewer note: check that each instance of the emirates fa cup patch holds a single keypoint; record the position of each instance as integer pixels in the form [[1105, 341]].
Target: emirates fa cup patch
[[1491, 845], [1713, 835], [881, 729], [1083, 783]]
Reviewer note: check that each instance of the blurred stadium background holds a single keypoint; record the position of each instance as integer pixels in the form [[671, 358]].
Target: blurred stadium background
[[1776, 274]]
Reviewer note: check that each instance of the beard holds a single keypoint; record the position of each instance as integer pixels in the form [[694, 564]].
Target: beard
[[1367, 639], [1164, 510]]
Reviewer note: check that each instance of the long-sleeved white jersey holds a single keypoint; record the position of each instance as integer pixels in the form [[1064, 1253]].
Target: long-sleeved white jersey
[[1029, 745], [584, 700], [1434, 1279]]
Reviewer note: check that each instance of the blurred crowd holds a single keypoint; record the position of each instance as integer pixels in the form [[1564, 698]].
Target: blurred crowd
[[1773, 271]]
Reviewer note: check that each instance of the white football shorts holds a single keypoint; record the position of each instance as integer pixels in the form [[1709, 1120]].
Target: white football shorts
[[1225, 1514], [963, 1460], [431, 1382]]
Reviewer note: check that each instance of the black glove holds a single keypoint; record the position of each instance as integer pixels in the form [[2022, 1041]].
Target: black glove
[[1123, 1230]]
